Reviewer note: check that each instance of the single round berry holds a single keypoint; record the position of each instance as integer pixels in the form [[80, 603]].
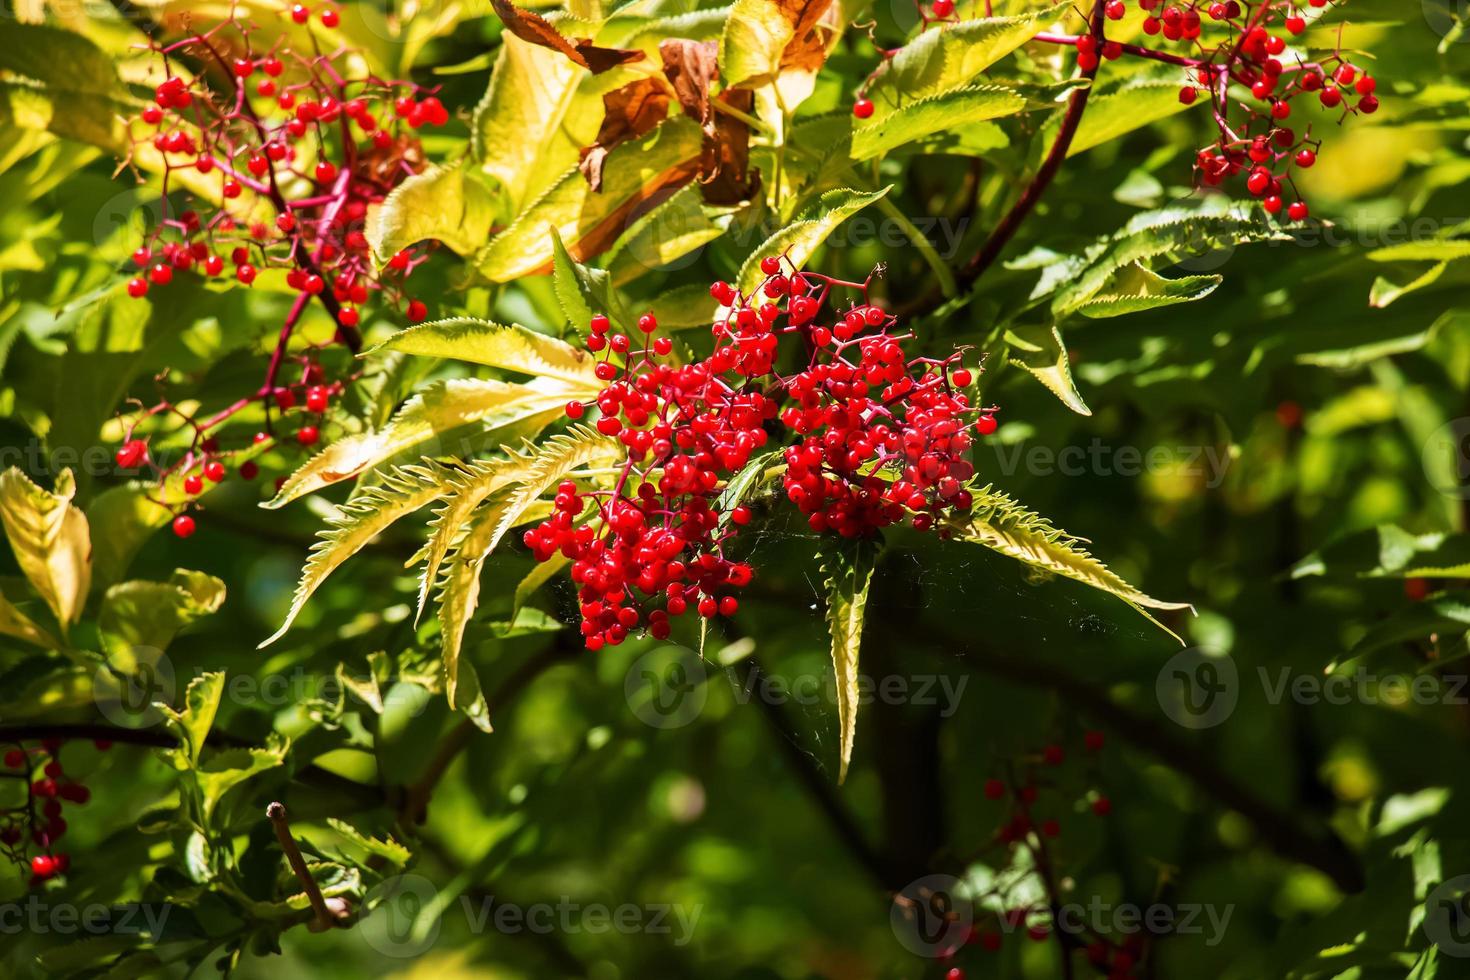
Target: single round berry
[[417, 311], [994, 789], [214, 471], [308, 435], [183, 526], [193, 485], [863, 109], [137, 288], [300, 13], [943, 8]]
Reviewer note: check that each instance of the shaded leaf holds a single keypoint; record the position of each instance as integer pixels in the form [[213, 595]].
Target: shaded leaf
[[849, 573], [442, 203]]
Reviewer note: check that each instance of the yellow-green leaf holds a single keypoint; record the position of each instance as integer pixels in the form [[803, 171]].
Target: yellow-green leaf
[[999, 523], [508, 347], [366, 513], [1044, 356], [637, 176], [948, 112], [802, 237], [150, 614], [442, 203], [51, 541], [1133, 105], [15, 623], [849, 573], [498, 409]]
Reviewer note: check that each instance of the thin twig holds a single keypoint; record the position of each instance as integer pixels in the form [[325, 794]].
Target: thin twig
[[324, 917]]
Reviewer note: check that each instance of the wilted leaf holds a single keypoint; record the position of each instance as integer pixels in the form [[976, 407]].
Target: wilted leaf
[[535, 29], [628, 113]]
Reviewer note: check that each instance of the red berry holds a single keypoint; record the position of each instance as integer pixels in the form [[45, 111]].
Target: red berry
[[416, 311], [1050, 828], [1415, 590], [245, 272], [994, 789], [307, 435], [193, 484], [943, 8], [161, 274], [183, 525], [862, 108], [316, 399], [43, 865], [1102, 806], [770, 265], [15, 758], [137, 288], [300, 13], [1094, 740], [1298, 211], [330, 17], [214, 471], [1188, 94], [1305, 158], [986, 424], [1053, 755], [575, 410], [648, 323]]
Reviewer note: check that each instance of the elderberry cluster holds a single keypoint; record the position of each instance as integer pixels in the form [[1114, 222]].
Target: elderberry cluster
[[37, 821], [1245, 64], [874, 437], [283, 149]]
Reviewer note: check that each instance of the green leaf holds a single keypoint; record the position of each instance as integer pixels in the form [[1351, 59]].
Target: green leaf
[[849, 573], [225, 770], [638, 175], [510, 348], [527, 622], [1116, 112], [192, 724], [150, 614], [667, 236], [435, 422], [1137, 288], [1445, 613], [954, 113], [61, 82], [1043, 355], [742, 484], [1389, 551], [388, 849], [800, 239], [999, 523], [543, 572], [951, 56], [51, 541], [442, 203], [583, 291]]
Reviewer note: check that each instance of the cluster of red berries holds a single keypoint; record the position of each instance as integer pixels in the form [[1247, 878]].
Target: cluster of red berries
[[38, 822], [301, 148], [879, 437], [1235, 44], [1020, 829], [1253, 51], [316, 147]]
